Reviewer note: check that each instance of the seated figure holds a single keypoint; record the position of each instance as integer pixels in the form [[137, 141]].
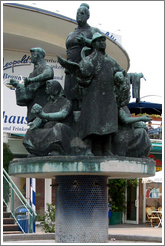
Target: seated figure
[[49, 133], [131, 139]]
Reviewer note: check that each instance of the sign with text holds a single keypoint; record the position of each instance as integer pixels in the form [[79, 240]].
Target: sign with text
[[158, 159], [115, 37]]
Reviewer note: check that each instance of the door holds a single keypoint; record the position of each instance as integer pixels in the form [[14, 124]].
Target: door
[[132, 204]]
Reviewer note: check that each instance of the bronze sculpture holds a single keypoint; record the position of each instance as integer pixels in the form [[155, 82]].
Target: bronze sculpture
[[131, 139], [106, 87], [33, 89], [94, 116], [49, 133], [75, 41]]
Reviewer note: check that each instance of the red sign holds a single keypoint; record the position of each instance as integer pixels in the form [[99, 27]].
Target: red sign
[[158, 163]]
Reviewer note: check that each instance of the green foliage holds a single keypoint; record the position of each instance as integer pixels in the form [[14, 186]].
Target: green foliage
[[7, 157], [48, 219], [114, 208], [116, 193], [133, 182]]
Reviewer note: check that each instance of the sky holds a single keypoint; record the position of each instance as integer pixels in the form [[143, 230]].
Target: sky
[[141, 25]]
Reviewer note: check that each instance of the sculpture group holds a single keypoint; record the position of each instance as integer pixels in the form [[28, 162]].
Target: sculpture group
[[89, 116]]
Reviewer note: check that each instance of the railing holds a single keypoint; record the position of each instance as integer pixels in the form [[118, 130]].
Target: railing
[[24, 202]]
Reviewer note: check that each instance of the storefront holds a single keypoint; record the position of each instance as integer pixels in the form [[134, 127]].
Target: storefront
[[153, 185]]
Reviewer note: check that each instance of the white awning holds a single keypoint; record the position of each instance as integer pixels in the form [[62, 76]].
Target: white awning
[[157, 178]]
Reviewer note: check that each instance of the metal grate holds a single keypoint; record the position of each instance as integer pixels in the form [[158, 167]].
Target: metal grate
[[81, 209]]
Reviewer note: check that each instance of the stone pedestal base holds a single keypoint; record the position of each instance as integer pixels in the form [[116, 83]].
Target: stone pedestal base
[[81, 191], [53, 166], [81, 209]]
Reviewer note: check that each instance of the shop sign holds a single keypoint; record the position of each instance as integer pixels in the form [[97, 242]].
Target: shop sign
[[158, 159], [115, 37], [153, 193]]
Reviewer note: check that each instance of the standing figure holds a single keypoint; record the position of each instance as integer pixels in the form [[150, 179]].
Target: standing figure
[[49, 133], [99, 111], [33, 89], [75, 41]]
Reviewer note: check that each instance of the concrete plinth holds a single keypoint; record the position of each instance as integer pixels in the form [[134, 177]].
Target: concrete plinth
[[112, 167], [81, 190]]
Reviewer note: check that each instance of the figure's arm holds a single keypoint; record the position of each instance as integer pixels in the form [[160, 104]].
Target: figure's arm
[[123, 116], [84, 41], [135, 81], [36, 123], [140, 125], [72, 67], [15, 83], [46, 75], [61, 115], [133, 76]]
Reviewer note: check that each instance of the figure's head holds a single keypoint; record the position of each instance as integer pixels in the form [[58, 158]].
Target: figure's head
[[122, 88], [37, 54], [82, 14], [53, 87], [99, 41], [119, 77]]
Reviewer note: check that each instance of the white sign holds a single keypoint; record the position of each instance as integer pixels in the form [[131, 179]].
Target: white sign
[[115, 37], [17, 65]]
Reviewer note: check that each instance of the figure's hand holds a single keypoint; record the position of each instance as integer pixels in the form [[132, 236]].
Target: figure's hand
[[32, 125], [82, 38], [140, 125], [27, 81], [36, 109], [137, 100], [145, 118], [141, 76], [13, 82], [72, 67]]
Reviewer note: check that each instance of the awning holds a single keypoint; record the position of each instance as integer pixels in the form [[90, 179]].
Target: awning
[[145, 107], [157, 178], [157, 148]]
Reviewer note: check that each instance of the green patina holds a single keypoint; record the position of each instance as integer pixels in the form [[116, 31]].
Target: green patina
[[137, 167]]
